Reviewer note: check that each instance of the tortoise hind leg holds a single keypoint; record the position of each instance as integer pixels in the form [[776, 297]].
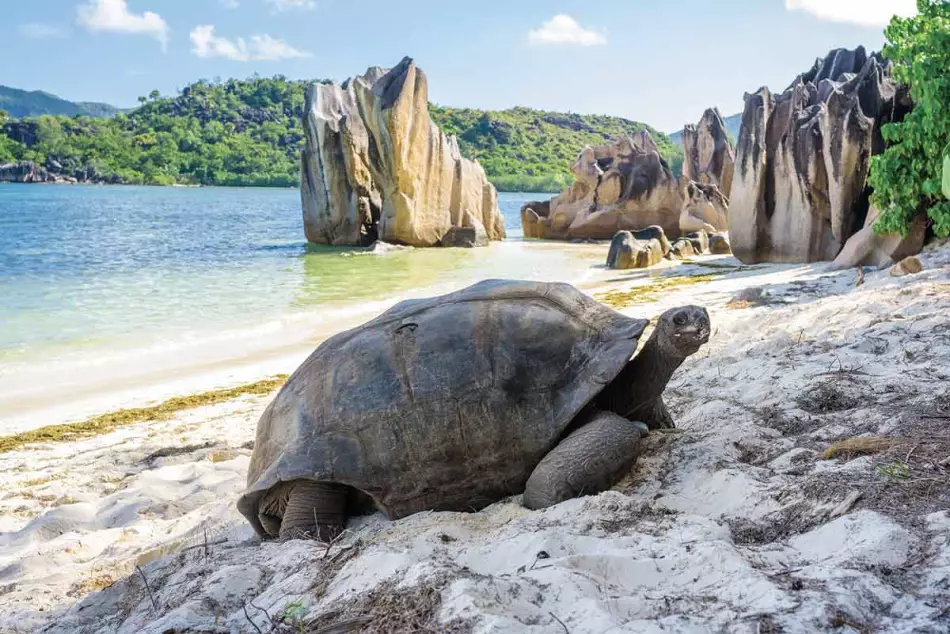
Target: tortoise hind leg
[[315, 510], [589, 460]]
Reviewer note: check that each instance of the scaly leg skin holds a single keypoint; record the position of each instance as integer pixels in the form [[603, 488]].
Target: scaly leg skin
[[315, 510], [590, 460], [661, 418]]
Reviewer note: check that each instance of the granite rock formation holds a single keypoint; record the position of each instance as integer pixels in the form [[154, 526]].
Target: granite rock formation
[[800, 188], [654, 232], [719, 244], [868, 248], [627, 252], [30, 172], [699, 240], [708, 156], [624, 186], [375, 166], [705, 209], [24, 172], [683, 249]]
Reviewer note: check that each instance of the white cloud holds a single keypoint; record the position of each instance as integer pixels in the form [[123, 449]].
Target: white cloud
[[870, 13], [230, 4], [563, 29], [40, 31], [114, 16], [204, 43], [286, 5]]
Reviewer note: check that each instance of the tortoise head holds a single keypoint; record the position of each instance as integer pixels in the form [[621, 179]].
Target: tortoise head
[[683, 330]]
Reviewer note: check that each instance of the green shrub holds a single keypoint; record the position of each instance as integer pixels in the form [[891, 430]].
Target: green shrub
[[906, 177]]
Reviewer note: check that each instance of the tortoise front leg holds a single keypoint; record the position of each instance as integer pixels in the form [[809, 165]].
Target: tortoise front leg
[[589, 460], [315, 510]]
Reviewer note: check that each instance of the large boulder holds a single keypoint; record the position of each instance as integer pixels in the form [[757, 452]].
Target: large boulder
[[532, 218], [708, 155], [618, 187], [654, 232], [719, 244], [699, 240], [622, 253], [869, 248], [375, 166], [705, 209], [683, 249], [464, 237], [25, 131], [627, 252], [800, 188]]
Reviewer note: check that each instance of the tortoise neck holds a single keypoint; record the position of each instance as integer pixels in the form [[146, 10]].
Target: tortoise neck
[[633, 394]]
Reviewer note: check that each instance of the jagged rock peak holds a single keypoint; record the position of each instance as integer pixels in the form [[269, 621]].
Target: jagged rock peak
[[708, 155], [375, 166], [800, 189]]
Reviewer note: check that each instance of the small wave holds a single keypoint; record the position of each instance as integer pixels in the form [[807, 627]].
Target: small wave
[[378, 248]]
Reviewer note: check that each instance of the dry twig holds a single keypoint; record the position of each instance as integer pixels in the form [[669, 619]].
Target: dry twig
[[148, 588]]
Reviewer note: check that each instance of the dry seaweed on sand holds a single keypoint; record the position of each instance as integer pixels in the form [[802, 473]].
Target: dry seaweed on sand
[[908, 476], [860, 446], [647, 293], [105, 423]]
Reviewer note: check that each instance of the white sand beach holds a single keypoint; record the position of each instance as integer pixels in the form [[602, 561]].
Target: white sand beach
[[736, 524]]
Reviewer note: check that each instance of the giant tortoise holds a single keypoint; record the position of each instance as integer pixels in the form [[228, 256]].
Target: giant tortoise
[[454, 402]]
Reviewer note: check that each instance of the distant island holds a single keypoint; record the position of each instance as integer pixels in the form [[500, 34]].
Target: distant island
[[22, 103], [249, 133]]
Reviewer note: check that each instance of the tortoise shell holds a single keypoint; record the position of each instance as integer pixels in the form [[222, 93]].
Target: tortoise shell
[[445, 403]]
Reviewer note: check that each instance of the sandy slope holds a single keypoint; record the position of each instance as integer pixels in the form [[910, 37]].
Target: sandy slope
[[737, 524]]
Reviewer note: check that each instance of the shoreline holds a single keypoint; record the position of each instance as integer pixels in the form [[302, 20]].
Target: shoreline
[[111, 421], [81, 383], [63, 181], [218, 366], [706, 511]]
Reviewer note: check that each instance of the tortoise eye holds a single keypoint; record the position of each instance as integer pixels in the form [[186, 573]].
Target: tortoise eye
[[680, 319]]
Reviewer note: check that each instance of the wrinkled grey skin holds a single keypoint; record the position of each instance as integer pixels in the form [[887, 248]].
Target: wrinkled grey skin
[[455, 402]]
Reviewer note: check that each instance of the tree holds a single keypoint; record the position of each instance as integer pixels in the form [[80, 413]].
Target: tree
[[154, 95], [906, 177]]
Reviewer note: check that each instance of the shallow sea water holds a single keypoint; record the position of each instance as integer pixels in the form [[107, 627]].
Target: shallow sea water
[[131, 279]]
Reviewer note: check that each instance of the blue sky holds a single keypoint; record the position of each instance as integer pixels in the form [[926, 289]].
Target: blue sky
[[661, 62]]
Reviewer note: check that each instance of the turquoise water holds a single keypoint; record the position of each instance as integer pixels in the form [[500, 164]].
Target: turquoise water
[[86, 270]]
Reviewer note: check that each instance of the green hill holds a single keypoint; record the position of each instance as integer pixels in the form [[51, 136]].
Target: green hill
[[21, 103], [245, 133], [249, 132], [532, 150], [733, 124]]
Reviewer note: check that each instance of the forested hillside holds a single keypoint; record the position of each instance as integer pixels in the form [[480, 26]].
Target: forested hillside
[[230, 133], [249, 133], [532, 150]]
